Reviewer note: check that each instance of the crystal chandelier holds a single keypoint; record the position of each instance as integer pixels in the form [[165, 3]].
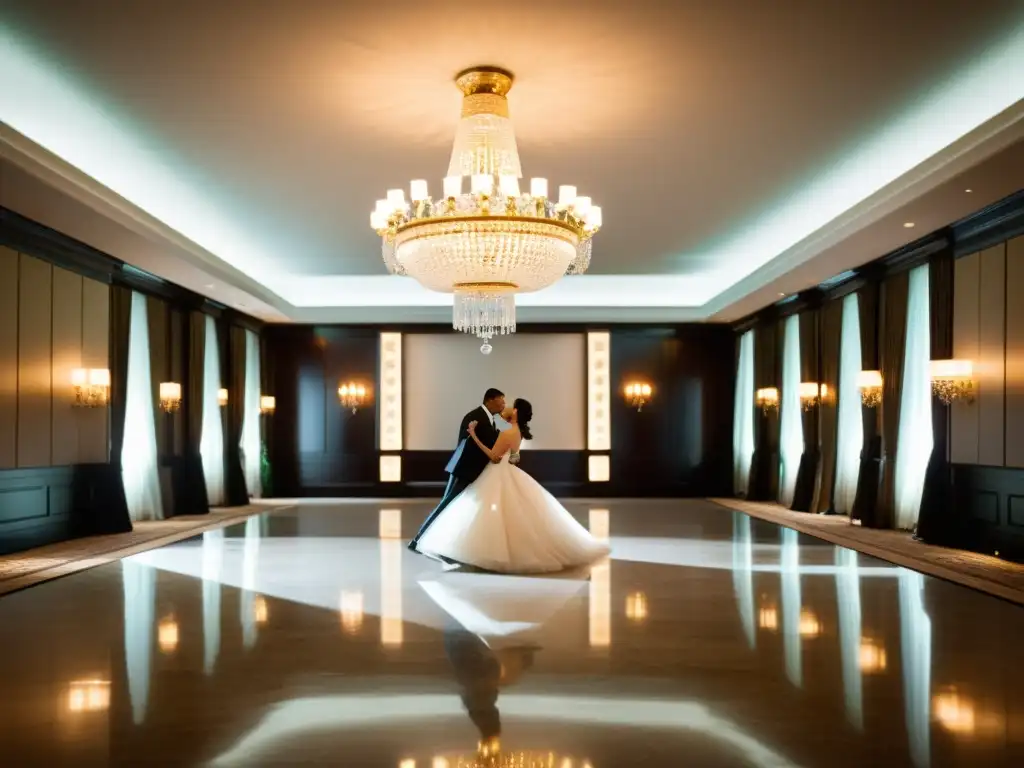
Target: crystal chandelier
[[494, 241]]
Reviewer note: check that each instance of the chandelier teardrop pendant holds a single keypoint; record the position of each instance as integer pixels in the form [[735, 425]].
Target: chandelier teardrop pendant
[[486, 245]]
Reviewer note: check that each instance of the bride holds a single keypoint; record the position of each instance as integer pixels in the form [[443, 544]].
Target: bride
[[505, 521]]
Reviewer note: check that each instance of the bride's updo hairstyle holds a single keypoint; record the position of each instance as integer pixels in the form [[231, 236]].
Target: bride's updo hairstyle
[[524, 412]]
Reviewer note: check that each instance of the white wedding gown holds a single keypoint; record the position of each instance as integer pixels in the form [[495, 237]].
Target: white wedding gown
[[506, 522]]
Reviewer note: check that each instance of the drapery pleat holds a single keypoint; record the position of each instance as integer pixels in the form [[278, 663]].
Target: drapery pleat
[[893, 352], [828, 412]]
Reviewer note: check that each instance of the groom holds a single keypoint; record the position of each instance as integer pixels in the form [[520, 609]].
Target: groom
[[468, 461]]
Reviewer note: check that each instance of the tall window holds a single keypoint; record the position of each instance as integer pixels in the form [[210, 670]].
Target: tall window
[[791, 433], [251, 444], [914, 444], [211, 445], [850, 430], [743, 417], [139, 467]]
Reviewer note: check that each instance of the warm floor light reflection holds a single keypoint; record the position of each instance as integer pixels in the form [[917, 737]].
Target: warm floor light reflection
[[167, 635], [601, 605], [636, 606], [351, 612], [872, 656], [259, 610], [768, 618], [954, 712], [89, 696], [407, 763], [391, 631], [439, 762], [390, 523], [599, 524], [809, 624]]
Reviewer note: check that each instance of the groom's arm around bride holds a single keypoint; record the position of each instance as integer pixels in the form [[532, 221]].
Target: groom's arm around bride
[[468, 461]]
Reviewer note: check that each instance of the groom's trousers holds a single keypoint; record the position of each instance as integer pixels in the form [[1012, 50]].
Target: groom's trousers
[[456, 485]]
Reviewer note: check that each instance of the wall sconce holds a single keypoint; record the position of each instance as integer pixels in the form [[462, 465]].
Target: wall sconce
[[170, 396], [768, 618], [89, 696], [870, 385], [267, 404], [952, 380], [809, 624], [352, 396], [92, 387], [812, 393], [767, 399], [636, 607], [167, 635], [638, 394], [260, 611], [222, 397], [872, 656]]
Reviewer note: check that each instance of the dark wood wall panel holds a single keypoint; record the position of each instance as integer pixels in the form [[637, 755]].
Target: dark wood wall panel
[[679, 445]]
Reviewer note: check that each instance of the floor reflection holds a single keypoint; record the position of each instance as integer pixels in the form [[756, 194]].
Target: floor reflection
[[313, 637]]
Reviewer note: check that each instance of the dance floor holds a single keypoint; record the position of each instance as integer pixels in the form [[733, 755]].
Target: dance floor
[[311, 636]]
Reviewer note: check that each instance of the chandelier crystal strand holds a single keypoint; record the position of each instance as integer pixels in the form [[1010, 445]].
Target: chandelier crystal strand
[[496, 239]]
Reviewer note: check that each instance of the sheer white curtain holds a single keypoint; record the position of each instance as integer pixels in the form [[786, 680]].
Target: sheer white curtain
[[211, 445], [251, 444], [139, 467], [914, 446], [850, 429], [791, 433], [743, 416]]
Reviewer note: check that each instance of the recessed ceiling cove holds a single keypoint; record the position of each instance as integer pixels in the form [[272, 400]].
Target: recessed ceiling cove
[[727, 142]]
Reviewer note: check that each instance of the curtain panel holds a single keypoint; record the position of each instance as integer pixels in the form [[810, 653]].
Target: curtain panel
[[764, 465], [830, 331], [850, 422], [869, 473], [892, 353], [937, 524], [195, 500], [236, 492], [807, 478]]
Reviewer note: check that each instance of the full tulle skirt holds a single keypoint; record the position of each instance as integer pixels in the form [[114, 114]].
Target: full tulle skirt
[[507, 522]]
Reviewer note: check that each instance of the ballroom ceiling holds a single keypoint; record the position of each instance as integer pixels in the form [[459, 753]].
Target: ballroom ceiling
[[717, 136]]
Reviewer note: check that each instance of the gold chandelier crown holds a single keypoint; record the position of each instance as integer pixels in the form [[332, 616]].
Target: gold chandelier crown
[[496, 240]]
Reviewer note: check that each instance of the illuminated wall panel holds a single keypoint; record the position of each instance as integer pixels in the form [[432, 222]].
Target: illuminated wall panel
[[599, 421], [390, 392]]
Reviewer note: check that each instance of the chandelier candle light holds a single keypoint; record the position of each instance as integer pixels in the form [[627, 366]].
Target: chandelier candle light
[[496, 240]]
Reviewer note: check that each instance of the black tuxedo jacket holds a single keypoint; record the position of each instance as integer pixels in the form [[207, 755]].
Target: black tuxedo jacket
[[469, 461]]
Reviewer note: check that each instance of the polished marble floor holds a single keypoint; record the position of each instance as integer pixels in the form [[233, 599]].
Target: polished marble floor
[[310, 636]]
